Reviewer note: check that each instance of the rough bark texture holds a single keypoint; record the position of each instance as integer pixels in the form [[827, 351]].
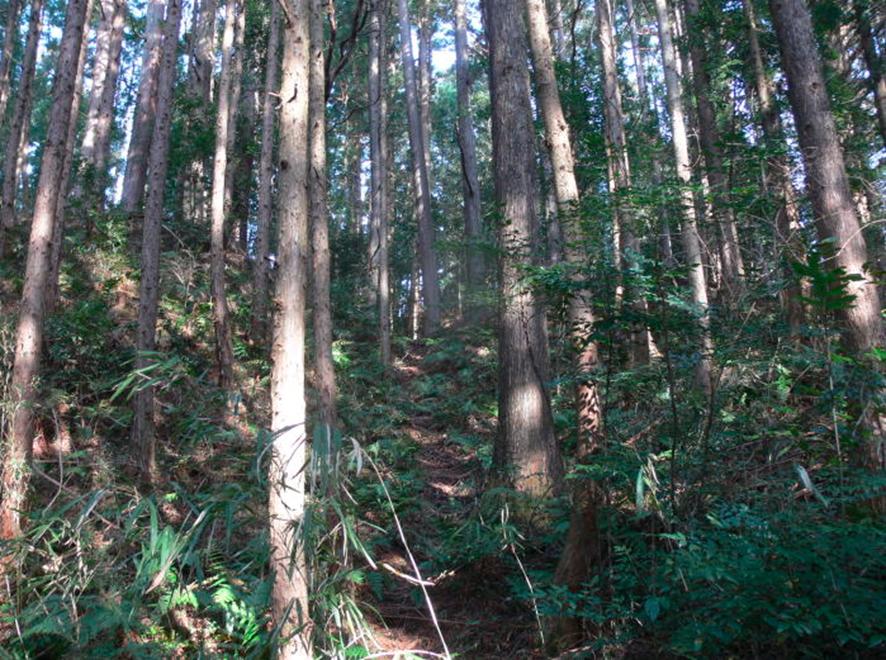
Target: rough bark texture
[[709, 136], [526, 450], [10, 37], [324, 370], [378, 154], [835, 217], [29, 332], [224, 351], [142, 433], [100, 119], [286, 472], [787, 221], [61, 207], [572, 569], [145, 107], [470, 181], [689, 234], [20, 117], [265, 181], [234, 110], [427, 252]]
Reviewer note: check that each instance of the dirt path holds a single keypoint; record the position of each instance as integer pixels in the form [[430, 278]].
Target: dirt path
[[476, 616]]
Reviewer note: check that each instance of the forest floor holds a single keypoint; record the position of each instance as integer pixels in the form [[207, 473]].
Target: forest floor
[[473, 606]]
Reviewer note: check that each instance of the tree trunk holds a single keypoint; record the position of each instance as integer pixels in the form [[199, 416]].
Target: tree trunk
[[873, 61], [379, 173], [29, 333], [286, 472], [220, 316], [233, 157], [470, 181], [628, 245], [526, 451], [709, 136], [689, 233], [266, 179], [587, 400], [145, 107], [323, 365], [95, 149], [55, 258], [202, 57], [835, 217], [787, 223], [10, 38], [20, 117], [557, 30], [427, 251], [142, 432]]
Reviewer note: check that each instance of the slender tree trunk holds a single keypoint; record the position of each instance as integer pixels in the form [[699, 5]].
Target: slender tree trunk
[[143, 119], [427, 252], [322, 312], [709, 135], [55, 259], [787, 223], [378, 179], [10, 38], [526, 450], [557, 30], [286, 472], [29, 333], [236, 93], [470, 180], [266, 178], [629, 246], [575, 562], [355, 184], [689, 233], [241, 192], [95, 150], [20, 117], [202, 57], [224, 346], [144, 443], [873, 61]]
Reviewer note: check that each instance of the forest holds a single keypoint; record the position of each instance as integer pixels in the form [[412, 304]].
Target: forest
[[442, 329]]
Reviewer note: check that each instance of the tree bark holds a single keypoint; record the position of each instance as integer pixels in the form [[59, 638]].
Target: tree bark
[[787, 222], [835, 217], [709, 136], [378, 148], [689, 234], [573, 567], [873, 61], [55, 258], [324, 369], [234, 109], [223, 344], [427, 251], [202, 56], [29, 332], [142, 436], [10, 38], [95, 149], [286, 472], [628, 245], [526, 451], [266, 179], [145, 107], [20, 117], [470, 180]]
